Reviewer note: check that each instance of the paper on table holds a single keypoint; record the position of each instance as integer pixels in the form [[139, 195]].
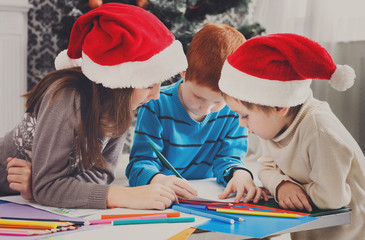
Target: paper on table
[[70, 212], [208, 190]]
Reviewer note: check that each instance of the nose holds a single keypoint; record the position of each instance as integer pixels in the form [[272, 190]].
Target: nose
[[243, 123], [206, 108], [155, 93]]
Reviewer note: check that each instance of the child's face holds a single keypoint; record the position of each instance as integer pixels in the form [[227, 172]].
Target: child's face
[[266, 125], [143, 95], [200, 100]]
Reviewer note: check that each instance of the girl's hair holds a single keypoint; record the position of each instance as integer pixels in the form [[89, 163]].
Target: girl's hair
[[207, 52], [103, 111]]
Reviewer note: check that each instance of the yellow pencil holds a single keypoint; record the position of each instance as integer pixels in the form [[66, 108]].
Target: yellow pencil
[[258, 213], [27, 224]]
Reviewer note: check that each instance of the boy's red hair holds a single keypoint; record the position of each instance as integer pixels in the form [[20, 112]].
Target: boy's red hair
[[207, 52]]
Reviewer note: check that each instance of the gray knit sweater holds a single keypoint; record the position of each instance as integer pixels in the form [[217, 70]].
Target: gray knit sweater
[[46, 138]]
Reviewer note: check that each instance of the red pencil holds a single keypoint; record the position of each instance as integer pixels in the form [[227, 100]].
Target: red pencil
[[271, 208]]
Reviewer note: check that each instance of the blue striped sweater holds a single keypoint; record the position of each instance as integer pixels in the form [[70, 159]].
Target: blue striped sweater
[[211, 148]]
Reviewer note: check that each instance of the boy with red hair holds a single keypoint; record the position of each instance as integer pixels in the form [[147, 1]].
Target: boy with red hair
[[192, 126]]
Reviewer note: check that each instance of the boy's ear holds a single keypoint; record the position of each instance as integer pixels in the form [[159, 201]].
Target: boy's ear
[[182, 74], [282, 111]]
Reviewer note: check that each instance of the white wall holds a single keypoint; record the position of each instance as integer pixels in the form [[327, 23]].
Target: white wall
[[13, 56]]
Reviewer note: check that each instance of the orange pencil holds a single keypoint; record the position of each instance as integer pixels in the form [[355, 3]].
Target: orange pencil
[[169, 215]]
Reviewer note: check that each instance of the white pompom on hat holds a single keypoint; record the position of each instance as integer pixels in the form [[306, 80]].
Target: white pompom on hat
[[277, 70], [121, 46]]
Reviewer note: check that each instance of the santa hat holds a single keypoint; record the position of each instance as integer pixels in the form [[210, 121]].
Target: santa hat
[[121, 46], [277, 70]]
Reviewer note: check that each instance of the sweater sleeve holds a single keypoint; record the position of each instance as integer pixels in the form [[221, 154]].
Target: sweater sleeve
[[230, 154], [143, 163], [271, 175], [53, 142], [331, 160]]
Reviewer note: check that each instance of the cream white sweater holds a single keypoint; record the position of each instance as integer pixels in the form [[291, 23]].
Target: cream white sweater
[[317, 153]]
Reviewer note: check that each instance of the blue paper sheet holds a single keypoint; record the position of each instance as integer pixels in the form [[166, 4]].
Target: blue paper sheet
[[255, 226]]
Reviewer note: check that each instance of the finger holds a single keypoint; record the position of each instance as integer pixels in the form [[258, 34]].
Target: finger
[[169, 193], [166, 202], [19, 171], [9, 159], [250, 194], [265, 196], [185, 184], [182, 193], [297, 203], [288, 203], [265, 190], [258, 195], [17, 187], [158, 205], [239, 195], [16, 162], [17, 179], [226, 192], [282, 204], [304, 200]]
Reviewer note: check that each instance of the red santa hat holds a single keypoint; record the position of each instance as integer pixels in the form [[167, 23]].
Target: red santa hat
[[277, 70], [121, 46]]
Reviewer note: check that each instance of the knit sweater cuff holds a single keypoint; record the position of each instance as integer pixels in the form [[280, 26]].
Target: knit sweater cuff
[[229, 174], [98, 196]]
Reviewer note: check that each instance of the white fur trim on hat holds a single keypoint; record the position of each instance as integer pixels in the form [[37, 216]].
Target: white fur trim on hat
[[139, 74], [64, 61], [256, 90], [343, 78]]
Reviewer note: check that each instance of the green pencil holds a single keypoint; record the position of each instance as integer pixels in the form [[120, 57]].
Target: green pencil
[[164, 160]]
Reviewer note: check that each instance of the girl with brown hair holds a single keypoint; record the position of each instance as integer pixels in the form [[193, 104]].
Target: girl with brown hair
[[76, 117]]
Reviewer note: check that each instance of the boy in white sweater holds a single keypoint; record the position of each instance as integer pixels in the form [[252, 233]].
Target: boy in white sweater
[[309, 158]]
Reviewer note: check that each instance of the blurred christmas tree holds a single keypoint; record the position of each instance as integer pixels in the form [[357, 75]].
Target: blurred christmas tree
[[183, 18]]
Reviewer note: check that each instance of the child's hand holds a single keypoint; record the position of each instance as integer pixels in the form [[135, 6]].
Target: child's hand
[[242, 183], [20, 176], [291, 196], [182, 188], [152, 196]]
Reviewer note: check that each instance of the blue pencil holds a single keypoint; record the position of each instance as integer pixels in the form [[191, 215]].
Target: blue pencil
[[195, 206], [205, 209], [155, 220], [202, 214]]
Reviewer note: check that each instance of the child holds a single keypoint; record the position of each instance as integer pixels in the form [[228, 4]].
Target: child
[[310, 159], [73, 129], [192, 127]]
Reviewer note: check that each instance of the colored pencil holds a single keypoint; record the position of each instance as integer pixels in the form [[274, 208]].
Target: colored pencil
[[157, 220], [109, 221], [229, 207], [164, 160], [27, 224], [203, 214], [168, 214], [45, 220], [197, 206], [271, 208], [258, 213], [206, 203], [22, 232]]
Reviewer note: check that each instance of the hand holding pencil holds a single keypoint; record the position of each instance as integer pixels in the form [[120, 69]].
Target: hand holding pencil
[[182, 188]]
